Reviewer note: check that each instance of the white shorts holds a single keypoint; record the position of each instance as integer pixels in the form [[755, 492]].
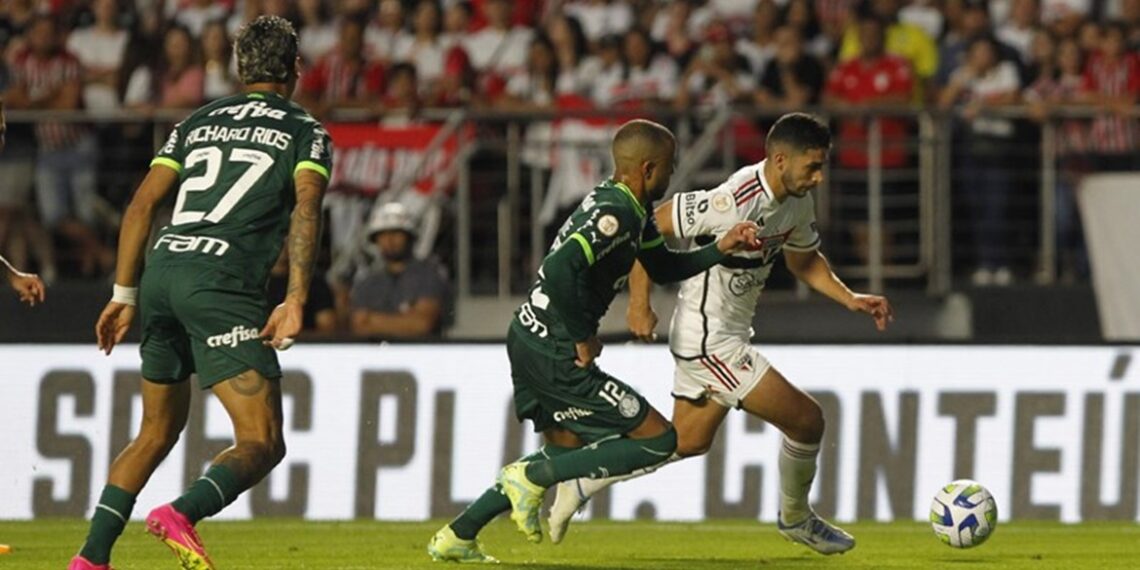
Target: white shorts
[[726, 376]]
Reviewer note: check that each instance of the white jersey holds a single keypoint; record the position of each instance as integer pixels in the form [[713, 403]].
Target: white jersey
[[715, 308]]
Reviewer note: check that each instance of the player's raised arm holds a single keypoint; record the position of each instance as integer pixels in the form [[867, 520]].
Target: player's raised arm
[[120, 311]]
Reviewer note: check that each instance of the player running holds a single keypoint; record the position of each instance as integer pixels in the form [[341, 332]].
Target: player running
[[716, 367], [594, 425], [249, 169]]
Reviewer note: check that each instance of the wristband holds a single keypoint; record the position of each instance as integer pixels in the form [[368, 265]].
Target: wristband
[[124, 295]]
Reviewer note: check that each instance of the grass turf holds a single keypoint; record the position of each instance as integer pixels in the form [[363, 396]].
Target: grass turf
[[716, 545]]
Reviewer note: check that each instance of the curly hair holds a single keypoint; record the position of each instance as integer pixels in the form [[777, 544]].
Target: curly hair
[[266, 50]]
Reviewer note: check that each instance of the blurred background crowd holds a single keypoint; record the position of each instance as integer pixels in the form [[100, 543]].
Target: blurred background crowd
[[64, 181]]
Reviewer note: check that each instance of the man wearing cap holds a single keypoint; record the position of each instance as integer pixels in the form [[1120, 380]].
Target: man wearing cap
[[406, 297]]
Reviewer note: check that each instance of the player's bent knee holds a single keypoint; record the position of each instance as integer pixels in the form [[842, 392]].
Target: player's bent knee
[[810, 425], [692, 447]]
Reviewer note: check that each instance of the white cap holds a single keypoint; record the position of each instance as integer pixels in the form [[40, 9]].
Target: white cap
[[391, 216]]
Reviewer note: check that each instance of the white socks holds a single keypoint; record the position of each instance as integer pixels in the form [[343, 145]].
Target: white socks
[[591, 486], [797, 470]]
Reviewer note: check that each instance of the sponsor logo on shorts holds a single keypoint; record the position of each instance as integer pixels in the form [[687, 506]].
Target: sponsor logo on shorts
[[232, 338], [175, 243], [629, 406], [570, 414]]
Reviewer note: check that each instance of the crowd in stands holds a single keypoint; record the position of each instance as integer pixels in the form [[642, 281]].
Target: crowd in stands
[[389, 59]]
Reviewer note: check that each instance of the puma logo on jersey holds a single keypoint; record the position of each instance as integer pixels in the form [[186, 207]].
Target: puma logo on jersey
[[232, 338], [251, 109], [175, 243]]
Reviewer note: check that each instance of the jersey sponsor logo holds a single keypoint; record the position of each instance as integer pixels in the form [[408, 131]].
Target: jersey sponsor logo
[[571, 414], [317, 151], [175, 243], [691, 207], [608, 225], [171, 144], [250, 109], [231, 339], [741, 283]]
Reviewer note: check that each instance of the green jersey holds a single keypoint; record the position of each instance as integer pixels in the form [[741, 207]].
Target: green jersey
[[236, 159]]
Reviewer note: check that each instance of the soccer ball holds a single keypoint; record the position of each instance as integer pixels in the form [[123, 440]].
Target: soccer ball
[[963, 514]]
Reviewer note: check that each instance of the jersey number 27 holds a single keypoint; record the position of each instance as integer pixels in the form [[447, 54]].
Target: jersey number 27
[[259, 162]]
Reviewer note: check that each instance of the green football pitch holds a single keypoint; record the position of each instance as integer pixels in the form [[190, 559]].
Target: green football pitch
[[716, 545]]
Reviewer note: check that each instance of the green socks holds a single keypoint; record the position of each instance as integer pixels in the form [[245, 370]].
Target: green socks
[[493, 501], [602, 459], [111, 516], [209, 494]]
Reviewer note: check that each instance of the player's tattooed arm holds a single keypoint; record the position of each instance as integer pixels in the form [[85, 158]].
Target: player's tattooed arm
[[304, 234]]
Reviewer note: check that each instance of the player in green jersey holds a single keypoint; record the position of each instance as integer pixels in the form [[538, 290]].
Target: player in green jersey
[[594, 424], [250, 172]]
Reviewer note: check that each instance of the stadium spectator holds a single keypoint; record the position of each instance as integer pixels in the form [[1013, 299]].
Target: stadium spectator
[[875, 79], [15, 18], [343, 79], [792, 78], [1112, 79], [718, 75], [973, 24], [1089, 35], [456, 87], [928, 15], [1060, 82], [424, 50], [217, 54], [401, 99], [319, 314], [676, 27], [456, 23], [646, 78], [572, 51], [498, 48], [318, 33], [386, 31], [536, 87], [760, 46], [405, 299], [46, 77], [1018, 31], [197, 13], [984, 81], [800, 14], [601, 18], [903, 39], [100, 49], [175, 81]]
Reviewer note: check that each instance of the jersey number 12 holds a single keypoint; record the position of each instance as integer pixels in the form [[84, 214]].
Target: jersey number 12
[[259, 162]]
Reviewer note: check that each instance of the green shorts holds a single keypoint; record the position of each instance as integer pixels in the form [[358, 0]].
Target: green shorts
[[553, 391], [202, 320]]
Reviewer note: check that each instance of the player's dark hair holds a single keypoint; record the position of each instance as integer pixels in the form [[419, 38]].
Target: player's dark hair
[[800, 131], [266, 51]]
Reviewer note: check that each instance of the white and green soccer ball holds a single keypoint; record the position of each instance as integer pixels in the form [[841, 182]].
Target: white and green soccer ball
[[963, 514]]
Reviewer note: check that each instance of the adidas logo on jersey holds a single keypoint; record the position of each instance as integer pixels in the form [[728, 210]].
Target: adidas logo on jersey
[[232, 338]]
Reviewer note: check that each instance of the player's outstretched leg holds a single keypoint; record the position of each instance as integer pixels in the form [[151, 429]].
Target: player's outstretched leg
[[800, 418], [165, 408], [253, 403], [524, 483], [696, 424], [455, 542]]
